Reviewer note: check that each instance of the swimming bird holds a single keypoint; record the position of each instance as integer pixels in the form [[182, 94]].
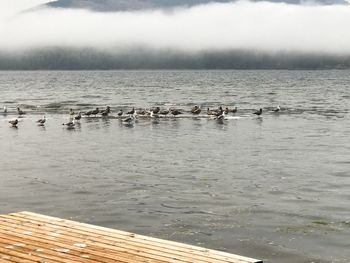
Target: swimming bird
[[175, 112], [278, 108], [226, 110], [129, 120], [164, 112], [120, 113], [220, 116], [209, 112], [196, 110], [219, 112], [70, 124], [152, 115], [105, 112], [155, 110], [258, 113], [42, 121], [78, 117], [14, 122], [5, 110], [131, 112], [234, 110], [20, 112], [142, 112], [95, 111], [71, 112]]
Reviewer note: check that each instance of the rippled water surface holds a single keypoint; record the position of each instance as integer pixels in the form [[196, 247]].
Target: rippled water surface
[[275, 188]]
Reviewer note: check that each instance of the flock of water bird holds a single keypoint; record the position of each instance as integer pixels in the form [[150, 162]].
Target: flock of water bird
[[129, 117]]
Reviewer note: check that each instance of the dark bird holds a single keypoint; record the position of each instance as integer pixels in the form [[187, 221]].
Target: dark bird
[[220, 116], [258, 113], [129, 120], [42, 121], [105, 112], [155, 110], [219, 112], [120, 113], [20, 112], [142, 112], [196, 110], [71, 112], [152, 115], [95, 111], [226, 110], [175, 112], [78, 117], [88, 113], [131, 112], [14, 122], [234, 110], [278, 108]]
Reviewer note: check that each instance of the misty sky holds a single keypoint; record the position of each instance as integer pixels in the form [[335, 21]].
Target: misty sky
[[268, 27]]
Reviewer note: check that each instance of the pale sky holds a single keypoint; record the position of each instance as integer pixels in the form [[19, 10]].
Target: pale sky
[[11, 7]]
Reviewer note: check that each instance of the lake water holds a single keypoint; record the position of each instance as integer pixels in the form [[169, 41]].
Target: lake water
[[275, 188]]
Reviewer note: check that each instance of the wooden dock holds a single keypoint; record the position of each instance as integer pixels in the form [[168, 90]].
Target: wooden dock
[[27, 237]]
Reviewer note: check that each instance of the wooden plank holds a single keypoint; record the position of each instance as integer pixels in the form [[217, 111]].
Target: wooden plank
[[153, 241], [27, 237], [125, 243]]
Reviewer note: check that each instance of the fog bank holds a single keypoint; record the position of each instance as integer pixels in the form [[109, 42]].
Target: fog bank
[[271, 29]]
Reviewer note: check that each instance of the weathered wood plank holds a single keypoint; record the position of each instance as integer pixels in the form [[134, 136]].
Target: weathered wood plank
[[27, 237], [76, 235]]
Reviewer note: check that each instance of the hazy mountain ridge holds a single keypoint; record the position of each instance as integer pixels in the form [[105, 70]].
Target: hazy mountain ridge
[[134, 5], [143, 58]]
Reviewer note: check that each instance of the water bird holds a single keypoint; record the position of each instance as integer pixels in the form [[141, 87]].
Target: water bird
[[226, 110], [152, 115], [105, 112], [220, 116], [156, 110], [277, 109], [209, 112], [234, 110], [175, 112], [131, 112], [164, 112], [78, 117], [20, 112], [258, 113], [129, 120], [95, 111], [69, 124], [196, 110], [42, 121], [71, 112], [142, 112], [120, 113], [5, 110], [219, 112], [14, 122], [92, 112]]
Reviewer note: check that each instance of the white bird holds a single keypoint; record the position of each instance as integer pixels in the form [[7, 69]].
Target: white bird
[[5, 110]]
